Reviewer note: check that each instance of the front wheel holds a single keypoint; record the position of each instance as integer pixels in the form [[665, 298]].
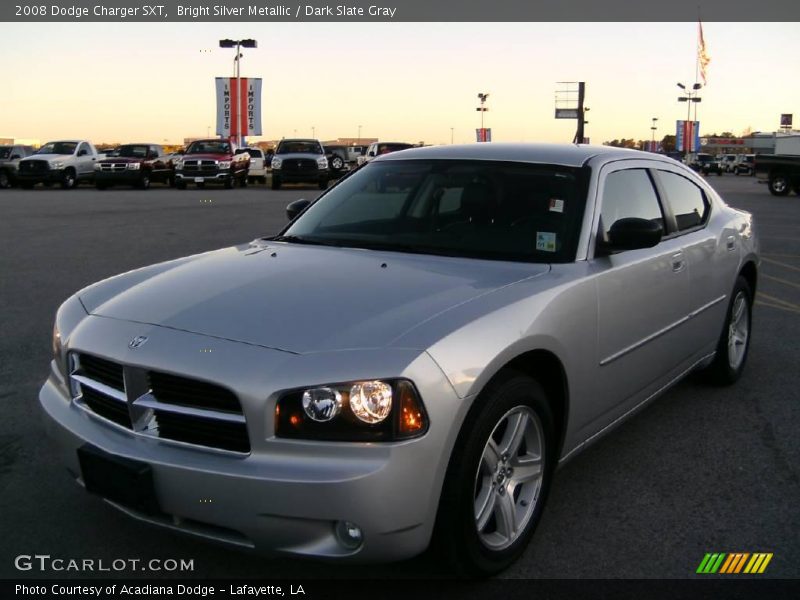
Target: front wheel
[[69, 180], [734, 342], [779, 184], [498, 477], [180, 184], [5, 181], [144, 182]]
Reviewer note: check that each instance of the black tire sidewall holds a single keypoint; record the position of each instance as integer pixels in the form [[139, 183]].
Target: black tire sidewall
[[720, 371], [456, 531]]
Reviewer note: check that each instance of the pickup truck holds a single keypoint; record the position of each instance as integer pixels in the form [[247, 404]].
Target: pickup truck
[[300, 161], [211, 161], [66, 162], [133, 164], [9, 163], [781, 172]]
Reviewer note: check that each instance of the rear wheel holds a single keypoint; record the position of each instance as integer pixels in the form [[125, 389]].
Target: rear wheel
[[734, 342], [779, 184], [337, 164], [498, 477]]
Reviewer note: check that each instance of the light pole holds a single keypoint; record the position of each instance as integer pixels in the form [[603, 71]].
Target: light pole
[[238, 44], [313, 132], [359, 135], [482, 96], [451, 136], [653, 129], [689, 97]]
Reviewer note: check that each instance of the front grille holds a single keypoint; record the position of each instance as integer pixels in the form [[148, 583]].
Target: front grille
[[299, 165], [113, 167], [33, 166], [160, 404], [107, 407]]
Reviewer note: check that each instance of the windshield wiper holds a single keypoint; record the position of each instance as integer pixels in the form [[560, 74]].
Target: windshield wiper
[[299, 239]]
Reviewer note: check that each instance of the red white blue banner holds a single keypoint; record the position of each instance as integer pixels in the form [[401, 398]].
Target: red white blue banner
[[687, 136], [238, 107]]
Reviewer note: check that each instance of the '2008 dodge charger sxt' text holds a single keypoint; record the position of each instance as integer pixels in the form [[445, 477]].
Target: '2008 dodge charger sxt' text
[[410, 359]]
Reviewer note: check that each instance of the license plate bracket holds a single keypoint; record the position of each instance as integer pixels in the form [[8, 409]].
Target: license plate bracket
[[119, 479]]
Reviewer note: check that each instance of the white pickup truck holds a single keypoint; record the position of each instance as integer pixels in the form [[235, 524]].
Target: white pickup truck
[[66, 162]]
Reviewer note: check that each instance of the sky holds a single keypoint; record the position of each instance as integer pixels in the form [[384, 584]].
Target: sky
[[123, 82]]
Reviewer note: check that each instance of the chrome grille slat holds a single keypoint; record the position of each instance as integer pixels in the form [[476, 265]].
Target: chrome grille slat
[[169, 407]]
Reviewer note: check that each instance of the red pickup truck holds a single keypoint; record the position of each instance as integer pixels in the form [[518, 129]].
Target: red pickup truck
[[211, 161]]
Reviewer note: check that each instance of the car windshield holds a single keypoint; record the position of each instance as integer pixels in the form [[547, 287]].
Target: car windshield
[[58, 148], [132, 151], [209, 147], [479, 209], [295, 147], [5, 151], [387, 148]]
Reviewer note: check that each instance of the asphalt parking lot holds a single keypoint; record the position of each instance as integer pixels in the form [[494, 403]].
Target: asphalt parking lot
[[701, 470]]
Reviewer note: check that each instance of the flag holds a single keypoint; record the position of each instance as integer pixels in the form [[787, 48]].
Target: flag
[[702, 57]]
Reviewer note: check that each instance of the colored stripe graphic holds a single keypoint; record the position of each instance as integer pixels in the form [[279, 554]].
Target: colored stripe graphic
[[758, 563], [711, 563], [733, 563]]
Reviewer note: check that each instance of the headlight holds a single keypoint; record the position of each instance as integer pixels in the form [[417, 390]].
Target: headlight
[[276, 163], [56, 165], [224, 164], [322, 163], [58, 352], [134, 166], [97, 166], [357, 411], [178, 164]]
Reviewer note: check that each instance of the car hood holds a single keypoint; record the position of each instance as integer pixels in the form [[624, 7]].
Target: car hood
[[47, 156], [301, 299], [296, 155]]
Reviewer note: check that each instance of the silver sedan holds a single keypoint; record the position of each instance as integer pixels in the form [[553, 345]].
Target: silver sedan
[[407, 363]]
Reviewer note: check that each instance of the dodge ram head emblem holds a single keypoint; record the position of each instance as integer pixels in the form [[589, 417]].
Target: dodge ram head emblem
[[139, 340]]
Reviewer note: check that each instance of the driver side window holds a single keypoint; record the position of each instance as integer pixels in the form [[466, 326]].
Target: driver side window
[[629, 193]]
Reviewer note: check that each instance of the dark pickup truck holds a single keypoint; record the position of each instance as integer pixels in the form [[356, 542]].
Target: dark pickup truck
[[211, 161], [133, 164], [781, 172], [9, 163]]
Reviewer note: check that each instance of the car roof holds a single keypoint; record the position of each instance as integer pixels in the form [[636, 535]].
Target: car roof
[[570, 155]]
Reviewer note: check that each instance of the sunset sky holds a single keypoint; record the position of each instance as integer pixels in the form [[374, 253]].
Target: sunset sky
[[118, 82]]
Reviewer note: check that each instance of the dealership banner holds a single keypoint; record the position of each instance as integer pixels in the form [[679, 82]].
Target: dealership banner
[[687, 136], [238, 107]]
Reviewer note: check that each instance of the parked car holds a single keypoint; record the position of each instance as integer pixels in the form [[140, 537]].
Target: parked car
[[134, 164], [67, 162], [211, 161], [463, 320], [781, 172], [727, 162], [353, 152], [381, 148], [258, 169], [706, 164], [9, 163], [300, 161], [744, 164]]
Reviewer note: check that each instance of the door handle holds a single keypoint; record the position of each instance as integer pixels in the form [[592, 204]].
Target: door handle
[[730, 243], [677, 262]]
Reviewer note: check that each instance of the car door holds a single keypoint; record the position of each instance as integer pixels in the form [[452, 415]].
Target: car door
[[85, 160], [711, 254], [642, 295]]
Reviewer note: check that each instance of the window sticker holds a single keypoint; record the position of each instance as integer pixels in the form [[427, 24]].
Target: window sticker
[[556, 205], [546, 241]]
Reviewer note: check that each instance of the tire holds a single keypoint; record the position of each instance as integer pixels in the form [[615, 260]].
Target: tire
[[734, 341], [171, 181], [736, 172], [244, 181], [180, 184], [337, 164], [26, 186], [323, 184], [229, 181], [779, 184], [486, 514], [100, 186], [144, 181], [276, 183], [200, 185], [5, 180], [69, 179]]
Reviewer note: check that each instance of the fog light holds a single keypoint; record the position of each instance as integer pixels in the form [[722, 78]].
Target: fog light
[[322, 404], [349, 534], [371, 401]]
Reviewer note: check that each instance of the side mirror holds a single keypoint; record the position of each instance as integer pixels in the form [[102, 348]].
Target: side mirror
[[83, 152], [372, 153], [296, 207], [633, 233], [15, 156]]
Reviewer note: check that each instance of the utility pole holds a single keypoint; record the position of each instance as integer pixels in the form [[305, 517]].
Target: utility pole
[[581, 94]]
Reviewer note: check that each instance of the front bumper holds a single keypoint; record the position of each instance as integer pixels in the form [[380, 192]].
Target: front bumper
[[286, 496], [127, 177], [321, 175], [219, 177], [51, 176]]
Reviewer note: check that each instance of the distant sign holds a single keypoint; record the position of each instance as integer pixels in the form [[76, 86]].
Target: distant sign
[[687, 136], [238, 107], [786, 120], [483, 135], [566, 113]]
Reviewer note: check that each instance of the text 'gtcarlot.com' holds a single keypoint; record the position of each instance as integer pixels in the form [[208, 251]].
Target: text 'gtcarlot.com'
[[45, 562]]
